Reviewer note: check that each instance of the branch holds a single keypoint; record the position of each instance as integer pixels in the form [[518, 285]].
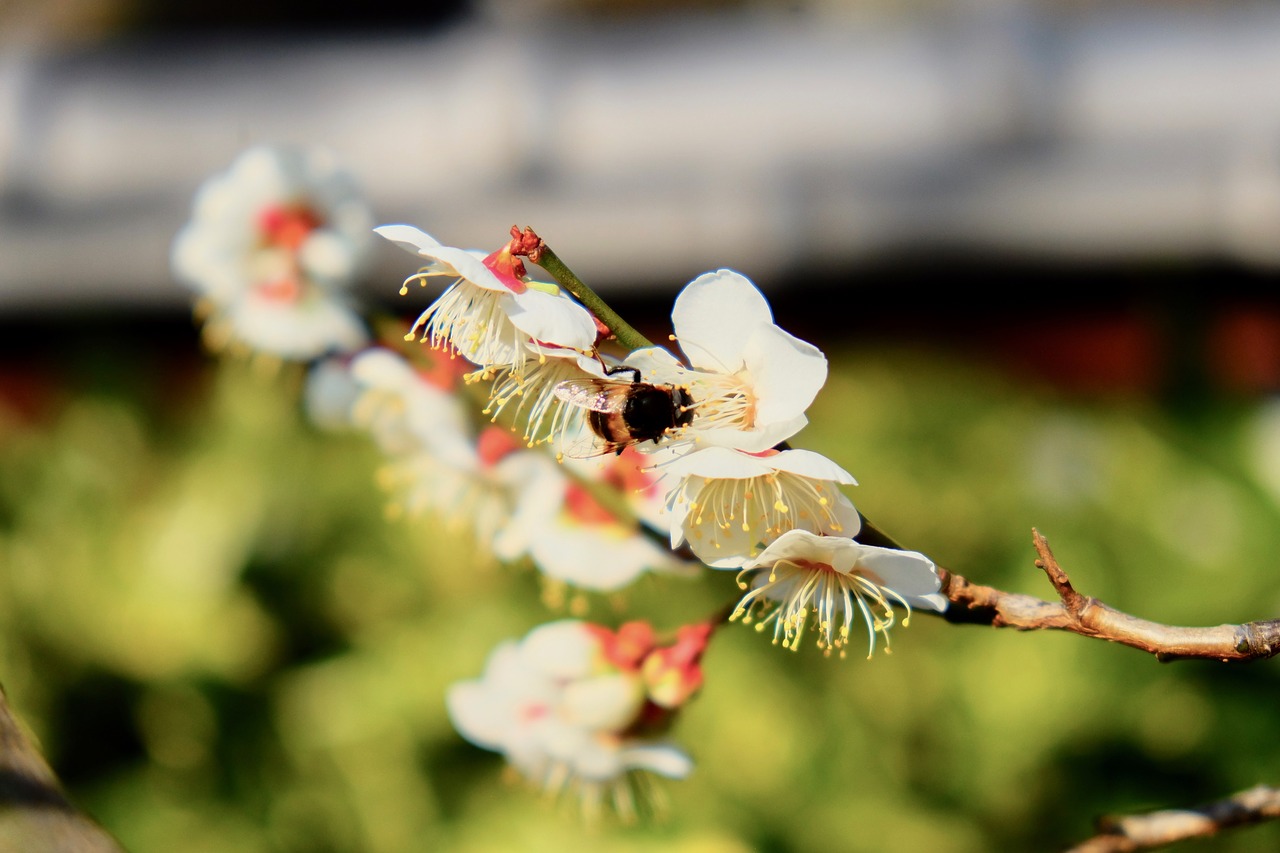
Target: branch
[[530, 245], [34, 813], [1089, 617], [1144, 832]]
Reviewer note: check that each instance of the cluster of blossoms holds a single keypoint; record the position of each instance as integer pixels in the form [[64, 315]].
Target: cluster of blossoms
[[658, 459], [576, 705], [271, 249]]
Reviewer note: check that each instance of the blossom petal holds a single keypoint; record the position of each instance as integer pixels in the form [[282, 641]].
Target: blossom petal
[[803, 545], [757, 440], [651, 359], [724, 462], [787, 373], [563, 649], [908, 573], [714, 316], [445, 260], [552, 319], [608, 702], [296, 331], [662, 759]]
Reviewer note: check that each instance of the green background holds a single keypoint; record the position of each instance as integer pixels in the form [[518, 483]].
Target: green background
[[223, 644]]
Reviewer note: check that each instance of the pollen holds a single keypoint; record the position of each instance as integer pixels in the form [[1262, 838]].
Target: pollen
[[793, 594], [739, 514]]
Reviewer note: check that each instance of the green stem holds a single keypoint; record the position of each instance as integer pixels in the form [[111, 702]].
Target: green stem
[[621, 329]]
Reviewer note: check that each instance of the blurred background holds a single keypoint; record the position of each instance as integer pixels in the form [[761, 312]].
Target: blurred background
[[1038, 241]]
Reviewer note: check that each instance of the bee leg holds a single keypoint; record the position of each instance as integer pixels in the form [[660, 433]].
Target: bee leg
[[622, 368]]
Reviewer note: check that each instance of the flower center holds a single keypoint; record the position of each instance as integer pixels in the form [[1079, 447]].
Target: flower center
[[285, 289], [721, 401], [287, 226], [795, 589], [722, 509], [584, 508]]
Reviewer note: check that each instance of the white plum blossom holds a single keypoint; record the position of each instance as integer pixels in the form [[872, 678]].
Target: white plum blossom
[[272, 246], [560, 706], [435, 462], [728, 505], [406, 409], [835, 579], [750, 381], [572, 538], [490, 315]]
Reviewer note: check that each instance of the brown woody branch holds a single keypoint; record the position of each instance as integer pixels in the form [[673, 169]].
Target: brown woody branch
[[1144, 832], [35, 815], [1089, 617]]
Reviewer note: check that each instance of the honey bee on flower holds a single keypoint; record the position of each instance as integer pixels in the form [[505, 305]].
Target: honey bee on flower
[[746, 386], [624, 413]]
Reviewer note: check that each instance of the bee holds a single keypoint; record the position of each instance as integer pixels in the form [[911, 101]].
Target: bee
[[623, 413]]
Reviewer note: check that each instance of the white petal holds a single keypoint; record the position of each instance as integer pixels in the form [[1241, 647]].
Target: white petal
[[653, 362], [297, 331], [764, 437], [815, 466], [908, 573], [563, 649], [720, 463], [662, 759], [445, 260], [330, 393], [786, 373], [713, 317], [379, 367], [552, 319], [329, 256], [599, 760], [607, 703], [409, 238], [801, 544], [476, 715]]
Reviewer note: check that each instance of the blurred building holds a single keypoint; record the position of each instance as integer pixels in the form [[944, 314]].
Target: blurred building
[[647, 148]]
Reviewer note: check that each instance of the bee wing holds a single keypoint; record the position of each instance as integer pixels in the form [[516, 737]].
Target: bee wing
[[597, 395], [583, 443]]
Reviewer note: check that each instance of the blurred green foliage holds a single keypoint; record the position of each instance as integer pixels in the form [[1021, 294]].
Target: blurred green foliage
[[223, 645]]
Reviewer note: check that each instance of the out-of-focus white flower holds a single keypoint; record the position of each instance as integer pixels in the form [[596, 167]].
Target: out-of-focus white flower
[[406, 409], [573, 538], [636, 476], [330, 393], [750, 381], [273, 244], [834, 579], [491, 315], [562, 706], [435, 462], [729, 505]]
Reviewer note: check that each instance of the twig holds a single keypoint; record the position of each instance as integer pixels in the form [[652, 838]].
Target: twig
[[1145, 832], [1081, 614], [34, 813], [532, 246]]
